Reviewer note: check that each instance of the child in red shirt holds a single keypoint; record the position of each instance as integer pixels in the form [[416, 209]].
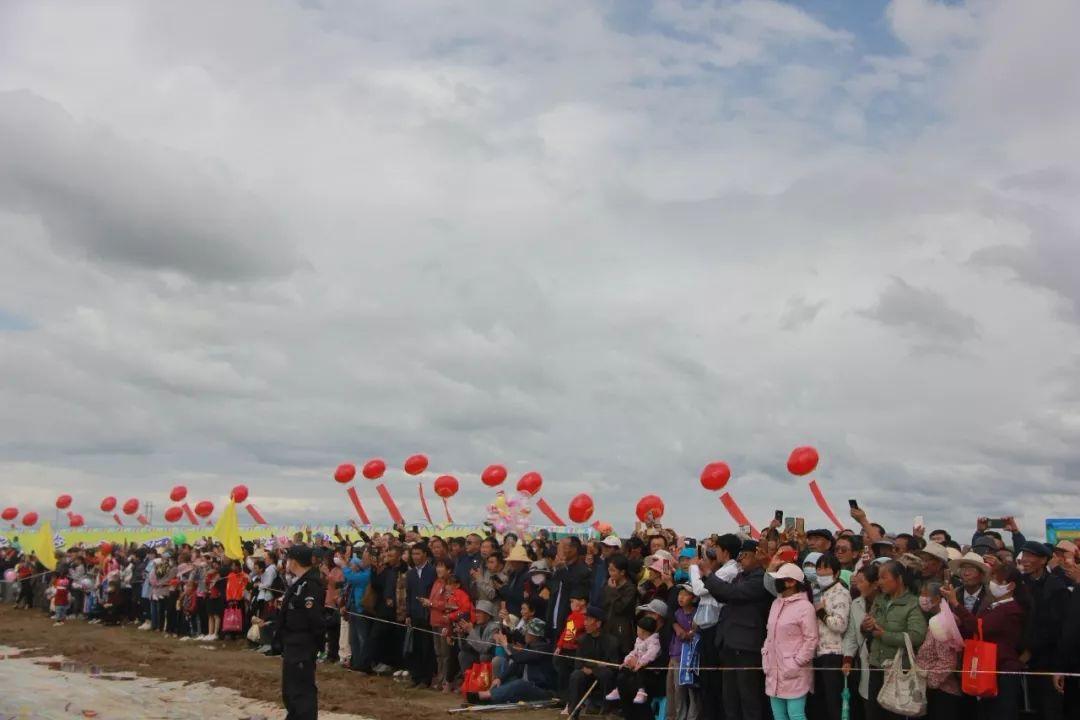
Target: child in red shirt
[[61, 599], [567, 644]]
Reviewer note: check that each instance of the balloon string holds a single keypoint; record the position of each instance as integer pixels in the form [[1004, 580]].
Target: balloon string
[[446, 507], [819, 497], [423, 504], [356, 504], [388, 501], [549, 512], [190, 515], [142, 520], [255, 514], [116, 517], [737, 514]]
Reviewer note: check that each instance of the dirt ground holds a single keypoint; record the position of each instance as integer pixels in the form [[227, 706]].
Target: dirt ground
[[228, 665]]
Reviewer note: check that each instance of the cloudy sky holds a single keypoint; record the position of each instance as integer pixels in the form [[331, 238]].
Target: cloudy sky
[[608, 241]]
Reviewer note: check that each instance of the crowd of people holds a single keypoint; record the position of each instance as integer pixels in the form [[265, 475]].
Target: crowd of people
[[790, 625]]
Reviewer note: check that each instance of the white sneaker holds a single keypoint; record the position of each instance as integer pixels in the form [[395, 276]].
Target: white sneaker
[[185, 638], [145, 625]]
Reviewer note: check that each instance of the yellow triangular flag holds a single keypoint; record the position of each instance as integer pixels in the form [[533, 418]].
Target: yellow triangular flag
[[41, 545], [227, 530]]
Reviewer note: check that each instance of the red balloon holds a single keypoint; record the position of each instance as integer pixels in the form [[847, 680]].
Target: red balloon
[[530, 483], [63, 502], [344, 473], [178, 493], [715, 476], [374, 469], [446, 486], [173, 514], [76, 520], [203, 508], [416, 464], [29, 519], [650, 504], [802, 460], [581, 508], [239, 493], [493, 475], [10, 513], [105, 547], [131, 506], [108, 504]]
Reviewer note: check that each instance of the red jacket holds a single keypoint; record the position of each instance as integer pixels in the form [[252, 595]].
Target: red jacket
[[572, 630]]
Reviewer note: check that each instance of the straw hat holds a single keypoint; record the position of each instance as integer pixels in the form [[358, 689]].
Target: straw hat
[[973, 559], [518, 554]]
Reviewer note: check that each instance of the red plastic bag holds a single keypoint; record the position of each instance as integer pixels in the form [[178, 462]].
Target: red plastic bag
[[979, 676], [233, 620], [476, 678]]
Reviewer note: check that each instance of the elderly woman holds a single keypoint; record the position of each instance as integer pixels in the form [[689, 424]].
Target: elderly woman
[[939, 655]]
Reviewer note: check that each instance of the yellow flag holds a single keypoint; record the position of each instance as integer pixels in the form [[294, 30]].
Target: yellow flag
[[227, 530], [41, 544]]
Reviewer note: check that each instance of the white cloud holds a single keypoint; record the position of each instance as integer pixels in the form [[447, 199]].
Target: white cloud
[[249, 249]]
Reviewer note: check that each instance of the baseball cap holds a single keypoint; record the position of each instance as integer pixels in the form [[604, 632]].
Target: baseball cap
[[597, 613], [536, 627], [611, 541], [789, 571], [654, 606]]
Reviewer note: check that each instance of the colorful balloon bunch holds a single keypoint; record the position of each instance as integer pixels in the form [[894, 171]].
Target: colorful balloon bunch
[[510, 515]]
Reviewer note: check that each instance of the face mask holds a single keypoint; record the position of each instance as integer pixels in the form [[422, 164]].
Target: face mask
[[538, 578], [339, 562], [825, 581], [811, 574], [926, 604], [998, 591]]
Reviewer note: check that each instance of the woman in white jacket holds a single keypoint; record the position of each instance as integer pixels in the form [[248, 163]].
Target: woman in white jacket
[[856, 652], [833, 613]]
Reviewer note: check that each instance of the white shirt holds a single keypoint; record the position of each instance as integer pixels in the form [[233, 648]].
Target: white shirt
[[708, 611]]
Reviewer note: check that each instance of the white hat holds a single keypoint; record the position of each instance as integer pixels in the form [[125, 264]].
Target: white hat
[[789, 571], [973, 559], [656, 605], [662, 555], [935, 550], [611, 541]]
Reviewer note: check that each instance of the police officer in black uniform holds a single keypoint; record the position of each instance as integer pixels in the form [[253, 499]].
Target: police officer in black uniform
[[300, 630]]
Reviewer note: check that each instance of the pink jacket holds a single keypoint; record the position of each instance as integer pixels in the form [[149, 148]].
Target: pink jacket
[[790, 644]]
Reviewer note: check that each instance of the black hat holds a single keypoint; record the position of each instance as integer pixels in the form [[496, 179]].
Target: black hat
[[749, 546], [597, 613], [1036, 548], [301, 554], [821, 533]]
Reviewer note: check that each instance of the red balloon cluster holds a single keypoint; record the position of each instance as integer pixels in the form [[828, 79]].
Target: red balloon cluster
[[530, 483], [178, 493], [204, 508], [802, 461], [416, 464], [131, 506], [63, 502], [108, 504], [173, 514], [493, 475], [446, 486], [76, 520], [581, 508], [715, 476], [650, 505], [239, 494], [30, 519], [374, 469], [10, 513], [345, 473]]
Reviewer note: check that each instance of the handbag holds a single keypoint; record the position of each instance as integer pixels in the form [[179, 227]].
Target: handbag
[[476, 678], [407, 643], [688, 662], [903, 691], [979, 677], [232, 620]]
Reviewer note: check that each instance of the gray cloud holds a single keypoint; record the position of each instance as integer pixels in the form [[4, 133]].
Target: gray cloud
[[924, 314], [132, 203]]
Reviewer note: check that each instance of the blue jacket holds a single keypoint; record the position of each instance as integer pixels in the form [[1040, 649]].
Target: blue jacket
[[358, 581]]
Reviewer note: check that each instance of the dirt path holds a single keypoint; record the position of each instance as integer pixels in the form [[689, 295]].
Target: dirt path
[[228, 665]]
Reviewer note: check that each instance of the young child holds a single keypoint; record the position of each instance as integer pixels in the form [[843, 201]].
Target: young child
[[646, 649], [567, 644], [189, 611], [61, 599]]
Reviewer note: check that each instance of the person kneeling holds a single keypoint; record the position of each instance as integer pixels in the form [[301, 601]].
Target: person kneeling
[[646, 649], [530, 675]]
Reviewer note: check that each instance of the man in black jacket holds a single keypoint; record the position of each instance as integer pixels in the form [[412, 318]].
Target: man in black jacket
[[1045, 623], [418, 583], [594, 645], [571, 574], [741, 634], [300, 634]]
